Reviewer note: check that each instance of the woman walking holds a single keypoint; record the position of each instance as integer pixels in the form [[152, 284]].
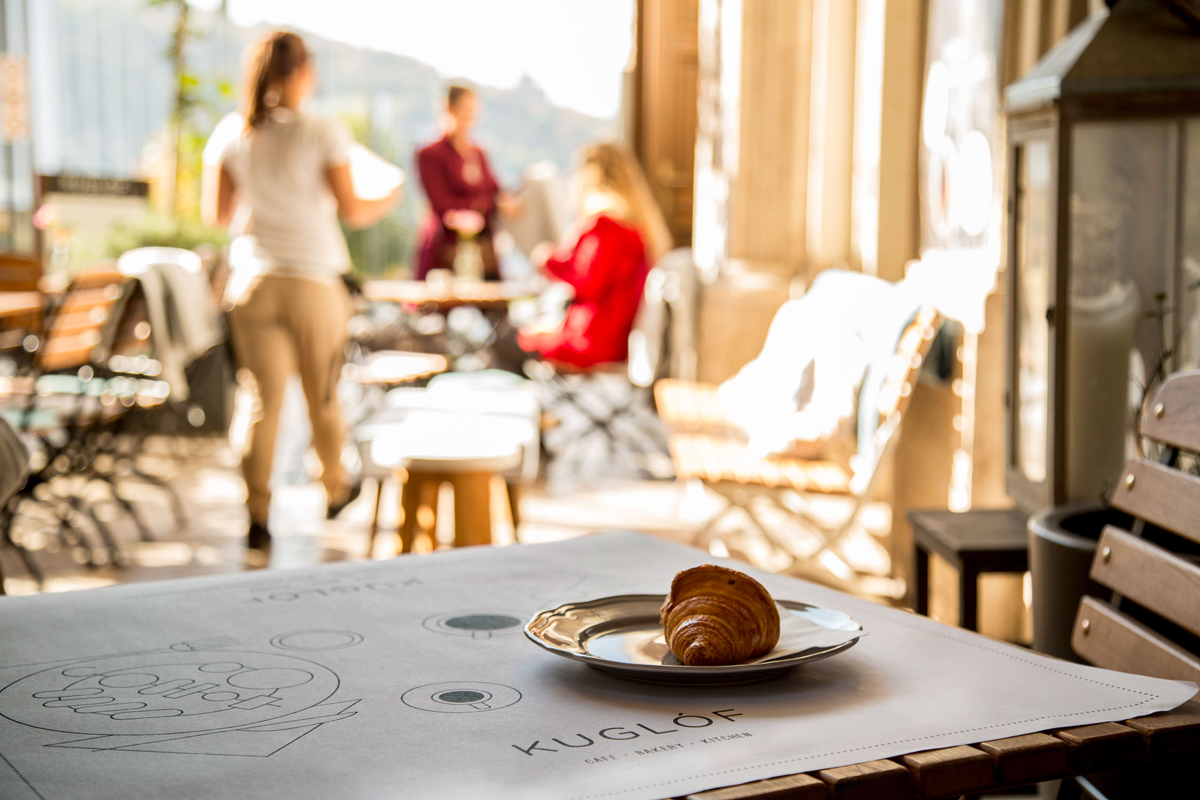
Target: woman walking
[[289, 172]]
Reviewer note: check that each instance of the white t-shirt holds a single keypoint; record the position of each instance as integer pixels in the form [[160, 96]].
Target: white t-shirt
[[280, 169]]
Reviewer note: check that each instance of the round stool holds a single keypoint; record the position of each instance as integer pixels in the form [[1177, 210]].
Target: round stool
[[428, 450]]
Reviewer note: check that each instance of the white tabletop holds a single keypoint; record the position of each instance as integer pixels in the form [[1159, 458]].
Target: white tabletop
[[411, 678]]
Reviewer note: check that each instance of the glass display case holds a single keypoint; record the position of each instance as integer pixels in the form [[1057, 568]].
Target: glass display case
[[1102, 245]]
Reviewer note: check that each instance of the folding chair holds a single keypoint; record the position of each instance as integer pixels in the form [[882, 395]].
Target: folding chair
[[1151, 623], [653, 346], [706, 446], [77, 410]]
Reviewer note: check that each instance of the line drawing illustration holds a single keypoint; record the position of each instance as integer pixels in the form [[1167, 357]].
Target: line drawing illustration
[[316, 641], [461, 697], [477, 625], [191, 697]]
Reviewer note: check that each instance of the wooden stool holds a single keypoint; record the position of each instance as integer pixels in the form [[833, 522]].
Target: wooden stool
[[472, 505], [429, 449], [973, 542]]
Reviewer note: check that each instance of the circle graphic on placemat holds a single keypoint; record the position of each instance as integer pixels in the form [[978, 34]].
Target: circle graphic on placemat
[[316, 641], [461, 697], [151, 694], [476, 624]]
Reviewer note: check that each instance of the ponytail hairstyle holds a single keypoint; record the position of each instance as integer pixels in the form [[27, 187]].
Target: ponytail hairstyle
[[610, 180], [270, 62]]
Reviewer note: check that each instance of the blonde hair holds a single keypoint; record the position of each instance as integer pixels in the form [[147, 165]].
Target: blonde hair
[[611, 181]]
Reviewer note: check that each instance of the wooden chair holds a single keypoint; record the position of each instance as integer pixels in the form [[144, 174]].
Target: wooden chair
[[1151, 624], [18, 275], [705, 446], [78, 409]]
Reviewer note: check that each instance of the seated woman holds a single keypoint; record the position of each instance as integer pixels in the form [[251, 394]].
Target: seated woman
[[456, 177], [619, 234]]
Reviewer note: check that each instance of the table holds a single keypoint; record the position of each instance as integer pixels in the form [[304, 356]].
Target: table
[[395, 368], [411, 678], [974, 542], [19, 304], [482, 295]]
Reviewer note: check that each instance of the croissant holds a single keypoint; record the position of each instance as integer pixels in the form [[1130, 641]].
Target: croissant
[[716, 615]]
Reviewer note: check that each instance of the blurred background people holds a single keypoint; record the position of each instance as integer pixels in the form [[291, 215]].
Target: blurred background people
[[619, 235], [289, 174], [456, 178]]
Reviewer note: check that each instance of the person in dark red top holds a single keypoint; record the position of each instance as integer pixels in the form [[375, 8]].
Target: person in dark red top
[[456, 177], [619, 235]]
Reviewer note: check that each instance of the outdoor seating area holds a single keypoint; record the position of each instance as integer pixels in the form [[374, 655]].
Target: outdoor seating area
[[726, 399]]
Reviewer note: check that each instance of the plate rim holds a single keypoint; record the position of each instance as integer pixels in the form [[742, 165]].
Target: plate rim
[[783, 662]]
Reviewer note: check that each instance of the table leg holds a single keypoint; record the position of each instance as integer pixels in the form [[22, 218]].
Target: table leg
[[968, 598], [472, 508], [921, 601]]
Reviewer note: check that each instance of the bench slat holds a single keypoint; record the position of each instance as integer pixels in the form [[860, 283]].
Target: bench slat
[[1170, 733], [1150, 576], [1156, 493], [871, 780], [949, 772], [1027, 759], [1105, 746], [790, 787], [1175, 416], [1109, 639]]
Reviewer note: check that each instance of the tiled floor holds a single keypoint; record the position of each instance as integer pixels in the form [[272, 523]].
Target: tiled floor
[[570, 501]]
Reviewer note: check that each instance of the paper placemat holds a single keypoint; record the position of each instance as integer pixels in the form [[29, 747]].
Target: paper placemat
[[411, 678]]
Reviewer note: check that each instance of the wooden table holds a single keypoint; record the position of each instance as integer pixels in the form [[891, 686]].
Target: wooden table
[[390, 368], [1144, 742], [973, 542], [19, 304], [455, 293]]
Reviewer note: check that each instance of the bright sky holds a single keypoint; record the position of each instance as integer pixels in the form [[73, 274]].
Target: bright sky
[[576, 49]]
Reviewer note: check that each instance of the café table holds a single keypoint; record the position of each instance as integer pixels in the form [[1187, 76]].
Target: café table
[[484, 295], [412, 678]]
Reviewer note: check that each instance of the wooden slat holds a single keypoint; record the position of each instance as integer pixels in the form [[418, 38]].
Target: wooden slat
[[1106, 746], [1161, 495], [1150, 576], [790, 787], [872, 780], [1174, 417], [1109, 639], [1027, 759], [949, 772], [1170, 733]]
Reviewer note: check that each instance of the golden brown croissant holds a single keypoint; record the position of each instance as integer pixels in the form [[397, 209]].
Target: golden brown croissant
[[716, 615]]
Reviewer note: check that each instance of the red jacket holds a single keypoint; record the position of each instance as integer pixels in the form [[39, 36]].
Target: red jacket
[[607, 268]]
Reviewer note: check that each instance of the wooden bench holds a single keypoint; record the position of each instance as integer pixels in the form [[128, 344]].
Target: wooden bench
[[706, 446]]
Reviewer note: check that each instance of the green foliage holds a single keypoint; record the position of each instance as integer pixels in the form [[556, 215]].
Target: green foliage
[[159, 231], [384, 249]]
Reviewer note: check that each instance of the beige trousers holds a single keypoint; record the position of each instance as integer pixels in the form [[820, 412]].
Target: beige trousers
[[280, 326]]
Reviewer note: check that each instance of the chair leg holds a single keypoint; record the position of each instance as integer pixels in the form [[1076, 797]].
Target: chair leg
[[375, 519]]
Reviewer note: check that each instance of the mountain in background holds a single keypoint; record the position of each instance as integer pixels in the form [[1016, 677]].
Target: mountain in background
[[102, 85]]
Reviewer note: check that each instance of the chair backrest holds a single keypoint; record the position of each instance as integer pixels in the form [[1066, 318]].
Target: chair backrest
[[19, 274], [880, 414], [1151, 625], [83, 327]]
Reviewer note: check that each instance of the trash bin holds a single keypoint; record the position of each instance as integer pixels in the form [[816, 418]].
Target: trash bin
[[1062, 542]]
